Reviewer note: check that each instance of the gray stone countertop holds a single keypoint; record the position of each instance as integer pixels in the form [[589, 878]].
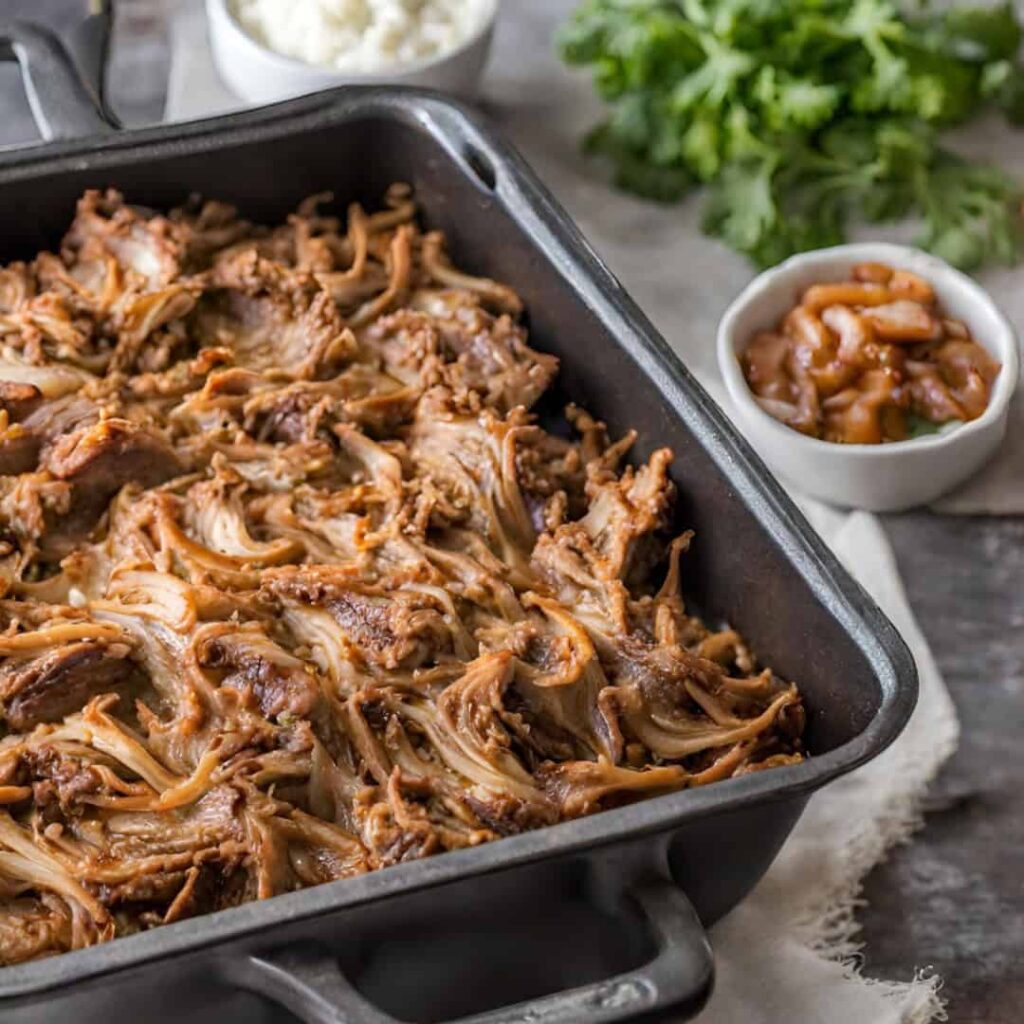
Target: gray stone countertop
[[952, 899]]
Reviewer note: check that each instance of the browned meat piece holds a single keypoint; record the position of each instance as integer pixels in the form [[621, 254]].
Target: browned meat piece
[[455, 342], [492, 356], [252, 664], [31, 928], [60, 416], [387, 630], [59, 777], [582, 787], [60, 681], [19, 451], [97, 461], [142, 245], [42, 422], [290, 418], [17, 286], [18, 399], [269, 317], [468, 474]]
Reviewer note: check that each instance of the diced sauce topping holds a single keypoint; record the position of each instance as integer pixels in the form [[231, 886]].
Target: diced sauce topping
[[868, 361]]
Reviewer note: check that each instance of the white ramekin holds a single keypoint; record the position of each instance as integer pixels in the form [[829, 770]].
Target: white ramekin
[[259, 75], [882, 477]]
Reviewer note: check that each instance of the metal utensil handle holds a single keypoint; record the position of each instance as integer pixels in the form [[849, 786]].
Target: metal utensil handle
[[309, 983], [63, 104]]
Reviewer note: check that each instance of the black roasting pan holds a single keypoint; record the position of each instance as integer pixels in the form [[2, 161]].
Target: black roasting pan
[[585, 921]]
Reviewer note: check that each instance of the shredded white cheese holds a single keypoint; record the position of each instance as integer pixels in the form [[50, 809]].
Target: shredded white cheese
[[367, 36]]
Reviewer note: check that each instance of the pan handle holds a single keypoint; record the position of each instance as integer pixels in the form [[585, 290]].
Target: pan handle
[[308, 981], [64, 105]]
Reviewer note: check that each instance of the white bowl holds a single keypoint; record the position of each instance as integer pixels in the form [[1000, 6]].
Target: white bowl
[[879, 477], [259, 75]]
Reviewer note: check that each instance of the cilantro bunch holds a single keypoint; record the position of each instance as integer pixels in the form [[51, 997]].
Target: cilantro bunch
[[801, 114]]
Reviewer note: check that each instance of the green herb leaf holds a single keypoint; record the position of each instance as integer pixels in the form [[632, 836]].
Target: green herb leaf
[[802, 115], [918, 426], [983, 34]]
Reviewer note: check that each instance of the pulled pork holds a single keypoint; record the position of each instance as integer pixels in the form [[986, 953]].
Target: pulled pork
[[293, 585]]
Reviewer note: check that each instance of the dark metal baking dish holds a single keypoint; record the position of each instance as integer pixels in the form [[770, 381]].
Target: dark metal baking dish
[[585, 921]]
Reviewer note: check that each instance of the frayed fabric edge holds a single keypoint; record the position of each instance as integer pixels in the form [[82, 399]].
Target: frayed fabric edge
[[832, 930]]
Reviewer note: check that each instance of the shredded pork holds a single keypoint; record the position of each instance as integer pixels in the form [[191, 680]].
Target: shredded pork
[[295, 586]]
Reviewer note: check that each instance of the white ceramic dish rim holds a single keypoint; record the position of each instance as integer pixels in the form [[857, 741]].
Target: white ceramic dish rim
[[353, 77], [1003, 346]]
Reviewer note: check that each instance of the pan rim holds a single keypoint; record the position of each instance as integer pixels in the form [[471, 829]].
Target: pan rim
[[452, 126]]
